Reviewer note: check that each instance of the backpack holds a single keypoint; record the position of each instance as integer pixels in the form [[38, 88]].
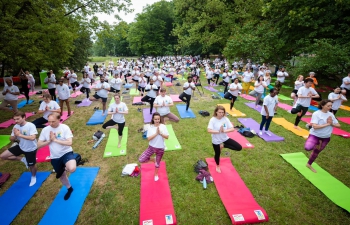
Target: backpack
[[246, 132], [97, 135], [79, 160], [204, 113], [3, 178], [200, 165]]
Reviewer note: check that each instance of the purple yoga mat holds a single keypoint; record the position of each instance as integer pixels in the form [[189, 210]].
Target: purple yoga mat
[[147, 117], [253, 125], [252, 105], [85, 102], [289, 107], [211, 89]]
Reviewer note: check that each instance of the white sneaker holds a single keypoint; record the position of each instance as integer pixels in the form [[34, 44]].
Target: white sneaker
[[156, 178], [260, 133], [24, 160], [267, 133], [32, 181]]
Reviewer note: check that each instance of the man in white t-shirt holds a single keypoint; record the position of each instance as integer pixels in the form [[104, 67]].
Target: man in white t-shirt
[[185, 96], [346, 85], [162, 104], [305, 95], [91, 76], [73, 80], [50, 80], [102, 90], [63, 95], [10, 94], [281, 75], [268, 111], [86, 68], [59, 138], [24, 132], [47, 106]]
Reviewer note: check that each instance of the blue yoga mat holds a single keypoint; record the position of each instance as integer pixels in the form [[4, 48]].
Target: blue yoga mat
[[183, 113], [97, 118], [66, 212], [23, 103], [313, 108], [128, 85], [17, 196], [221, 94]]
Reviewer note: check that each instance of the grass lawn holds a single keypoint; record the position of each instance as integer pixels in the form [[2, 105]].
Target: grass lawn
[[284, 193]]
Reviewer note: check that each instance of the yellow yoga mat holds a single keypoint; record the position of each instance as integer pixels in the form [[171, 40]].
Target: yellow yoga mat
[[233, 112], [345, 107], [289, 126], [251, 88]]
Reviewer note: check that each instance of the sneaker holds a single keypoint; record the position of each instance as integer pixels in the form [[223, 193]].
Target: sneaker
[[260, 133], [32, 181], [24, 160], [267, 133]]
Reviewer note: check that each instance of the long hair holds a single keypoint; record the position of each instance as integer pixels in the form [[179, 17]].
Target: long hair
[[154, 114]]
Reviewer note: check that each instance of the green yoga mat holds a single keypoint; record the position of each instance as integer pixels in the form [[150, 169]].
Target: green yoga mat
[[113, 100], [112, 143], [133, 91], [335, 190], [4, 140], [171, 143], [282, 97]]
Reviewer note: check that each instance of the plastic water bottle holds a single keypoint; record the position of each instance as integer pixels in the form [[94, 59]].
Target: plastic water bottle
[[204, 183]]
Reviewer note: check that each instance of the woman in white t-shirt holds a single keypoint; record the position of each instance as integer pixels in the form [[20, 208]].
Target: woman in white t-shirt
[[117, 109], [156, 135], [142, 83], [297, 84], [116, 83], [322, 122], [233, 92], [162, 104], [259, 88], [337, 97], [31, 81], [86, 84], [218, 126]]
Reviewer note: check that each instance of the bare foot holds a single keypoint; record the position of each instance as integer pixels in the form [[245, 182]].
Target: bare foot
[[119, 145], [296, 127], [221, 147], [299, 113], [218, 169], [311, 168]]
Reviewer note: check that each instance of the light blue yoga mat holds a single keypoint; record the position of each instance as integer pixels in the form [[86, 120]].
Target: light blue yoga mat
[[23, 103], [17, 196], [313, 108], [97, 118], [66, 212], [221, 94], [183, 113]]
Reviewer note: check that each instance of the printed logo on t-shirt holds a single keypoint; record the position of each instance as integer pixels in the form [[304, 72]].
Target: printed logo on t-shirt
[[24, 132], [259, 214], [59, 134], [169, 219], [238, 217], [147, 222]]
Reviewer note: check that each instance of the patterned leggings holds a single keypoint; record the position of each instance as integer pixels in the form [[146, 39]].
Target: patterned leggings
[[146, 155]]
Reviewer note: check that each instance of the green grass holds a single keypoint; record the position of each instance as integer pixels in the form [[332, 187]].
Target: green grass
[[284, 193]]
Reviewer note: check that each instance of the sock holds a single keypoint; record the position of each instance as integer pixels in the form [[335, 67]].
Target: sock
[[156, 178], [32, 181], [69, 192], [24, 160]]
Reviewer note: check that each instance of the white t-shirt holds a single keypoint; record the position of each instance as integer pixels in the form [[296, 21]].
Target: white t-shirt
[[86, 82], [247, 76], [234, 74], [142, 82], [63, 92], [215, 124], [157, 80], [336, 103], [49, 80], [135, 74], [298, 84], [320, 118], [158, 141], [281, 76], [226, 77], [347, 86], [86, 68], [62, 132], [27, 130], [260, 88], [151, 93], [103, 93], [163, 110], [267, 79], [50, 105], [234, 86], [9, 96], [72, 78], [189, 90], [118, 117], [116, 83], [209, 74], [303, 91], [91, 74], [270, 103], [31, 78]]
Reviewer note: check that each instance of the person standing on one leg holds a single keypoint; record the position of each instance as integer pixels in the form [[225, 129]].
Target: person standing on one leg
[[10, 94], [86, 84], [50, 80], [151, 90], [102, 89], [59, 138], [337, 98], [281, 75], [297, 84], [63, 95], [259, 88], [163, 103], [117, 110], [233, 91], [25, 132], [226, 80], [305, 94], [31, 81], [322, 122], [268, 111], [186, 95], [24, 83], [47, 106], [156, 135], [346, 85], [246, 78]]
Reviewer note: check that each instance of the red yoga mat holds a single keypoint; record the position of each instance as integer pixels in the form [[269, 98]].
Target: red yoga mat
[[240, 139], [336, 131], [156, 204], [43, 154], [344, 119], [236, 197]]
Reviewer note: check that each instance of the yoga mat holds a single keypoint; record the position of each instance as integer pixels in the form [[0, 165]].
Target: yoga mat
[[252, 106], [171, 143], [12, 122], [112, 143], [251, 88], [113, 100], [234, 112], [43, 75], [97, 118], [247, 97], [282, 97], [17, 196], [76, 94], [289, 126], [43, 154], [85, 102], [156, 204], [253, 125], [221, 94], [336, 131], [4, 140], [235, 195], [313, 108], [128, 85], [175, 98], [24, 103], [133, 91], [344, 119], [211, 89], [66, 212], [183, 113], [240, 139], [147, 117], [347, 108], [136, 99], [289, 108], [335, 190], [168, 84]]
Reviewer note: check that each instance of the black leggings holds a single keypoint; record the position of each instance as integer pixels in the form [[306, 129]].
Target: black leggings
[[110, 123], [231, 97], [185, 98], [150, 100], [299, 108], [87, 90], [52, 92], [333, 111], [229, 143], [211, 79], [226, 86], [25, 90], [216, 77]]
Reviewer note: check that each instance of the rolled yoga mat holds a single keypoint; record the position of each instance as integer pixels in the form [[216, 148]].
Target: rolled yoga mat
[[18, 195], [112, 143], [335, 190], [253, 125], [183, 113], [234, 112], [235, 195], [12, 122], [156, 204], [289, 126], [4, 140], [171, 143], [147, 116], [336, 131], [97, 118], [81, 181]]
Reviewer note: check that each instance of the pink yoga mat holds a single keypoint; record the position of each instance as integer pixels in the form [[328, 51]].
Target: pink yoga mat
[[344, 119], [168, 84], [136, 99], [289, 107], [156, 204], [30, 94], [248, 97], [336, 131], [77, 93], [43, 154], [11, 122], [240, 139], [175, 98], [235, 195]]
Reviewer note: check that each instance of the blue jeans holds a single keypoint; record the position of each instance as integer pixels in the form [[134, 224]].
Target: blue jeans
[[267, 121]]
